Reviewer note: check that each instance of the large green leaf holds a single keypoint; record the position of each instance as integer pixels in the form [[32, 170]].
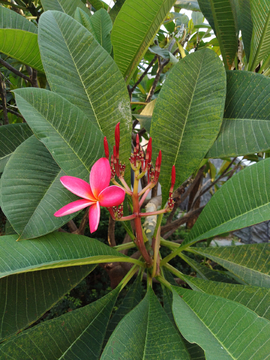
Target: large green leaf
[[66, 6], [76, 335], [246, 122], [187, 4], [11, 20], [248, 262], [26, 297], [185, 123], [221, 16], [21, 45], [11, 137], [242, 201], [99, 25], [145, 333], [116, 8], [260, 43], [255, 298], [74, 142], [32, 191], [80, 70], [134, 29], [56, 250], [223, 328]]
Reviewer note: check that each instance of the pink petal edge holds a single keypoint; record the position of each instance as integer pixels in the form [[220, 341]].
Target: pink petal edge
[[111, 196], [78, 187], [100, 176], [73, 207], [94, 216]]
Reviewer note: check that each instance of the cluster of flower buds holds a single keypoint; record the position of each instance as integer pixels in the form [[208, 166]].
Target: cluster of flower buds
[[116, 212], [170, 201]]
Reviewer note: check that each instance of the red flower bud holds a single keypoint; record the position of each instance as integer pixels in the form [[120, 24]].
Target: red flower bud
[[172, 178], [106, 148]]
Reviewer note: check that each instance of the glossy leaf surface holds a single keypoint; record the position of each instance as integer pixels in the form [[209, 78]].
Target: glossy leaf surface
[[248, 262], [221, 16], [65, 6], [26, 297], [30, 195], [242, 201], [228, 331], [77, 334], [246, 122], [185, 123], [80, 70], [74, 142], [134, 30], [155, 336], [55, 250]]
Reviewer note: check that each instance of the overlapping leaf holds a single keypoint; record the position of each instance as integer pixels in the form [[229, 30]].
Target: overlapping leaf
[[221, 16], [248, 262], [55, 250], [11, 20], [155, 336], [185, 123], [65, 6], [80, 70], [246, 122], [242, 201], [26, 297], [77, 334], [134, 29], [260, 42], [255, 298], [32, 191], [229, 331], [11, 137], [244, 20], [74, 142], [99, 25]]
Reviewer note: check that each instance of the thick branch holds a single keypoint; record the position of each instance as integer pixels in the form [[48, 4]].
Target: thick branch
[[143, 75], [175, 225]]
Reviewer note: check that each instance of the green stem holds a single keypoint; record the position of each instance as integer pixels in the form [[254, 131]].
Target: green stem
[[128, 276], [126, 246], [175, 271], [128, 230], [169, 244], [164, 282]]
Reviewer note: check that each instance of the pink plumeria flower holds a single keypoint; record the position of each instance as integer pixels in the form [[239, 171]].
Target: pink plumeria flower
[[97, 193]]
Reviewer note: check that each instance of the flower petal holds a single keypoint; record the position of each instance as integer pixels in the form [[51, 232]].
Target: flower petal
[[100, 176], [94, 216], [78, 187], [73, 207], [111, 196]]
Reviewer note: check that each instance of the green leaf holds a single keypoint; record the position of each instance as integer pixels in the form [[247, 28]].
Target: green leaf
[[11, 137], [132, 299], [74, 142], [244, 21], [246, 120], [11, 20], [32, 191], [55, 250], [221, 16], [134, 30], [207, 274], [242, 201], [98, 4], [65, 6], [80, 70], [116, 8], [187, 4], [260, 42], [145, 117], [99, 25], [77, 334], [249, 262], [26, 297], [185, 123], [255, 298], [145, 333], [223, 328], [21, 45]]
